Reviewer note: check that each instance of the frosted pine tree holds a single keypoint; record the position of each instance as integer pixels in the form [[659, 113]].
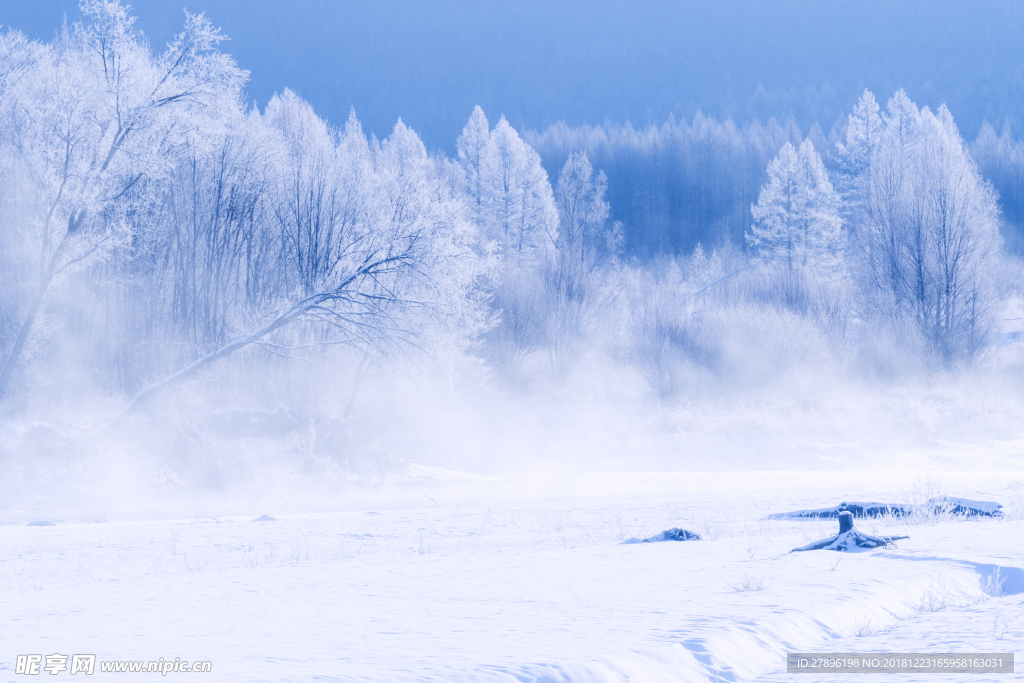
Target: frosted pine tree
[[902, 121], [517, 203], [796, 218], [508, 190], [822, 221], [474, 149], [774, 233], [582, 214], [863, 133]]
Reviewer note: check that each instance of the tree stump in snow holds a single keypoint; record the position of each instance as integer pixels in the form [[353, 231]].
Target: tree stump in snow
[[849, 539]]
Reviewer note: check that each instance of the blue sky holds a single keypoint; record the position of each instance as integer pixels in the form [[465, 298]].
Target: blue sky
[[539, 62]]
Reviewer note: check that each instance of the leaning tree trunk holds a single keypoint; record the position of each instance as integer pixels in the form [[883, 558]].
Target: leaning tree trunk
[[74, 223], [370, 269]]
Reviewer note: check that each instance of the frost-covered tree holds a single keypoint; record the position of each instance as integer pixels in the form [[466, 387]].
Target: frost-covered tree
[[319, 193], [211, 240], [584, 246], [854, 155], [513, 206], [930, 243], [510, 190], [389, 261], [796, 218], [154, 226], [475, 151], [89, 121], [882, 244], [583, 212], [955, 234]]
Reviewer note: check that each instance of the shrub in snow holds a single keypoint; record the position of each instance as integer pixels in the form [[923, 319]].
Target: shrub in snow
[[670, 535]]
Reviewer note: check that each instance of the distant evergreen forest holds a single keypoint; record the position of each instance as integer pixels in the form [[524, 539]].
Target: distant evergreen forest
[[686, 183]]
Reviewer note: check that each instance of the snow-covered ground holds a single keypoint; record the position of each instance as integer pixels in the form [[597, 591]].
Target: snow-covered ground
[[458, 578]]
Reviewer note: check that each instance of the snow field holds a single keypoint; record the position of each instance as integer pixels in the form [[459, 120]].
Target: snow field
[[532, 586]]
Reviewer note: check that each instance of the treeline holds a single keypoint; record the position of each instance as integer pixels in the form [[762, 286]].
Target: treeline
[[1001, 159], [154, 225], [681, 184]]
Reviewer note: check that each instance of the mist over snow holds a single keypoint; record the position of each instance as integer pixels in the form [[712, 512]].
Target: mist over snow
[[461, 363]]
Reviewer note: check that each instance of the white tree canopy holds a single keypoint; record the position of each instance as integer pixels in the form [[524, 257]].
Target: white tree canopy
[[928, 233], [474, 149], [796, 218], [583, 242], [92, 118], [202, 228], [509, 191], [854, 154]]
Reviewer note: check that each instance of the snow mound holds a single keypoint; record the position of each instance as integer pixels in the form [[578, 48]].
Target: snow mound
[[670, 535], [265, 518]]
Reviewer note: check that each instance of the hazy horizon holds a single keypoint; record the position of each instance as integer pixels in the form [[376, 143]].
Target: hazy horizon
[[539, 63]]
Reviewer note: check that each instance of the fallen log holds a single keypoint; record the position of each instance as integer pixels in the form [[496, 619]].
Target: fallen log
[[941, 505]]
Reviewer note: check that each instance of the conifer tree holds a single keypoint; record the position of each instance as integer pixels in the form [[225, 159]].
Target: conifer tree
[[863, 133], [474, 150], [796, 218], [508, 190]]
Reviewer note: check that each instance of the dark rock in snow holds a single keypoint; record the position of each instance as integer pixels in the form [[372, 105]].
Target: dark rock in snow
[[943, 504], [40, 522], [265, 518], [670, 535]]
